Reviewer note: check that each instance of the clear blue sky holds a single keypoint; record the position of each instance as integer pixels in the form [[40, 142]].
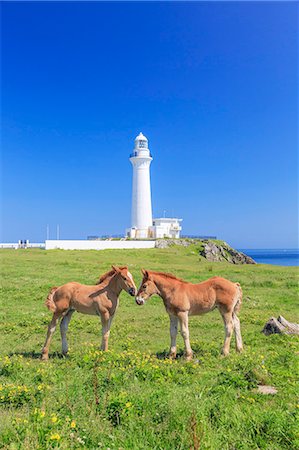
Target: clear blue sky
[[212, 85]]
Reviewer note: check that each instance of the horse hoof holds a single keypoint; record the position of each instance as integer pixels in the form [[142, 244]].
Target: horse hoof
[[45, 358], [188, 357], [172, 355]]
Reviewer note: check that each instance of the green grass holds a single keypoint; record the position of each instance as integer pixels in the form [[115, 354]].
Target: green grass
[[132, 397]]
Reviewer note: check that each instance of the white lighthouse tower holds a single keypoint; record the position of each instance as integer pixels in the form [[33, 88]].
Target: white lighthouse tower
[[143, 225], [141, 219]]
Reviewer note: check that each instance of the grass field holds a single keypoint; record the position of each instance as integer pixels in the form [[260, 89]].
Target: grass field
[[132, 397]]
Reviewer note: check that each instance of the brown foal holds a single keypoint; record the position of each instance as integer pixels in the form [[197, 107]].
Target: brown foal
[[98, 300], [182, 299]]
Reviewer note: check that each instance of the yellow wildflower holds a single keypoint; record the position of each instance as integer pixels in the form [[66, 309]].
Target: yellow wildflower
[[73, 424], [54, 419], [55, 437]]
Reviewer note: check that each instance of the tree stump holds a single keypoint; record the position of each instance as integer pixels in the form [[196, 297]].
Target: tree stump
[[280, 326]]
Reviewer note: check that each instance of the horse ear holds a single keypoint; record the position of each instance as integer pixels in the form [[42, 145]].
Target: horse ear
[[116, 269], [144, 273]]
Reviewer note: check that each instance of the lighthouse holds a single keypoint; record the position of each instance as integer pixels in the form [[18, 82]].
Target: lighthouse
[[143, 226], [141, 215]]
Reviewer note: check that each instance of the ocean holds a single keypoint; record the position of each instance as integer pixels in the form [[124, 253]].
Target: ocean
[[279, 257]]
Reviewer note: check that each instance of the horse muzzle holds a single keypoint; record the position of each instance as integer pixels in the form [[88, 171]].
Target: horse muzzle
[[140, 301], [132, 292]]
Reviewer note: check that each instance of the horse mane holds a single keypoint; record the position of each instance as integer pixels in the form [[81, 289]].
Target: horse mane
[[168, 275], [108, 274]]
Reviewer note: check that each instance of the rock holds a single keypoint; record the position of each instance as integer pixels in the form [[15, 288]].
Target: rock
[[221, 251], [165, 243], [161, 243], [280, 326], [266, 390], [209, 249]]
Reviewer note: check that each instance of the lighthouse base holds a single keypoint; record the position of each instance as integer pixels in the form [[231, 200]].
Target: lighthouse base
[[139, 233]]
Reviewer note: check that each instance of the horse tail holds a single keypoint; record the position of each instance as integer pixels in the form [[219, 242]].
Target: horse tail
[[49, 303], [238, 298]]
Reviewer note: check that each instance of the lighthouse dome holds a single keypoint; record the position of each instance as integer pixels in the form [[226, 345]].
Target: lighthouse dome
[[141, 142], [141, 137]]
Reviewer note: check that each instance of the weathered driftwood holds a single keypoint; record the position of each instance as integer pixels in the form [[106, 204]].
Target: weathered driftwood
[[281, 326]]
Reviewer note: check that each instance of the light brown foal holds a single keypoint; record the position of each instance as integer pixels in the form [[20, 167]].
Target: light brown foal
[[98, 300], [182, 299]]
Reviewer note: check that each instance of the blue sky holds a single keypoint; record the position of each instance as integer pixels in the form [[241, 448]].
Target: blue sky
[[212, 85]]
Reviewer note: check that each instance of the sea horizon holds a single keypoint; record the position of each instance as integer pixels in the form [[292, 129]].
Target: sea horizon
[[274, 256]]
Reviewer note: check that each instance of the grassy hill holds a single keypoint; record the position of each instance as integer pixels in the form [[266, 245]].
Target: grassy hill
[[132, 397]]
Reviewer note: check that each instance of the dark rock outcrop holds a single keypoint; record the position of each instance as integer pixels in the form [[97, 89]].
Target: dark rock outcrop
[[220, 251], [212, 250]]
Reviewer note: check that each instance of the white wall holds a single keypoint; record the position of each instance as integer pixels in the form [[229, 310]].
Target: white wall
[[17, 245], [96, 245]]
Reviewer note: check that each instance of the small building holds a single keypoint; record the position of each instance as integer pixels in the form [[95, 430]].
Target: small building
[[165, 227]]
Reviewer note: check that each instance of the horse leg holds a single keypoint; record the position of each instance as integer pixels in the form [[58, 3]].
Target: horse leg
[[51, 330], [63, 330], [106, 323], [228, 327], [183, 318], [173, 335], [237, 329]]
